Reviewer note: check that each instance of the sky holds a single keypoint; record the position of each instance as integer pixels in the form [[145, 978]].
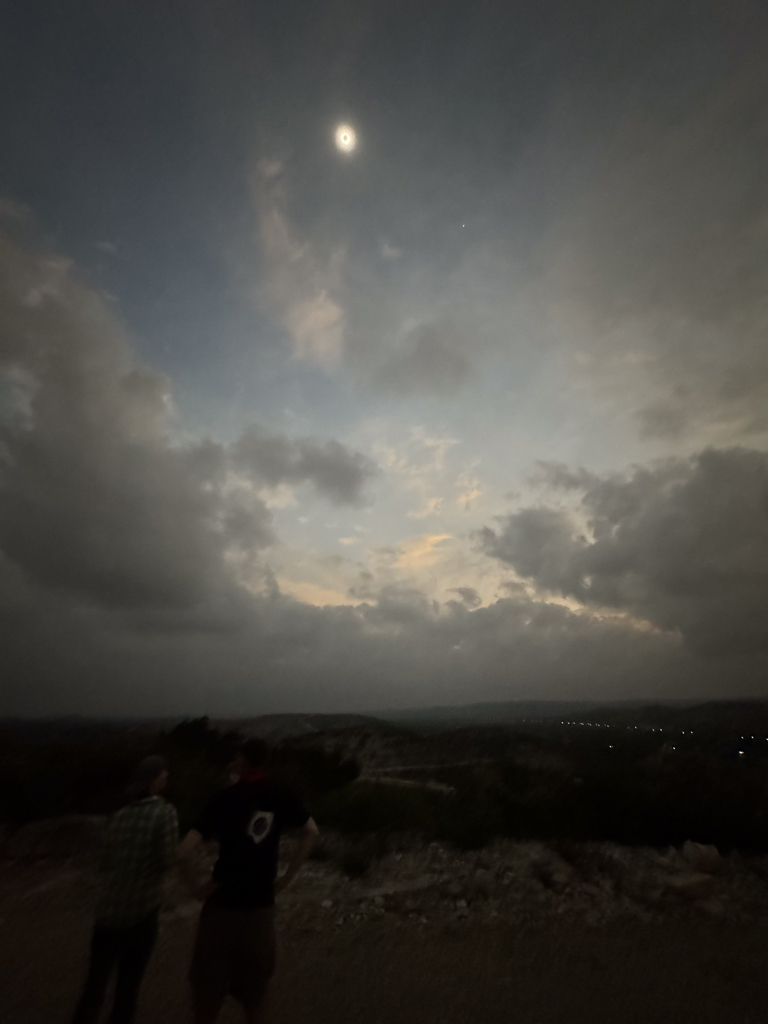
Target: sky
[[476, 409]]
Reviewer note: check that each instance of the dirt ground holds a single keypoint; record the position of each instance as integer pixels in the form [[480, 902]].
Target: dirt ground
[[398, 970]]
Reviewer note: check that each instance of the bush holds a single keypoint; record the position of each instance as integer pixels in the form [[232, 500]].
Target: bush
[[362, 808]]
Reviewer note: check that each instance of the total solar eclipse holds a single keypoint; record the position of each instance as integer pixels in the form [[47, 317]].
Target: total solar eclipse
[[345, 138]]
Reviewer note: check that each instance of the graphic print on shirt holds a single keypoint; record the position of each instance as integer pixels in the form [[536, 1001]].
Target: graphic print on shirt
[[260, 825]]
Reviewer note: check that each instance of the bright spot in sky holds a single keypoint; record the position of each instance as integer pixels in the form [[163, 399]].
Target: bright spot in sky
[[346, 140]]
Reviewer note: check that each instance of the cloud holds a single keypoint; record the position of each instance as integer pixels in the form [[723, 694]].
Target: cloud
[[390, 252], [429, 361], [96, 499], [655, 271], [682, 545], [136, 577], [340, 306], [311, 593], [421, 551], [336, 472], [469, 596], [662, 419], [300, 281]]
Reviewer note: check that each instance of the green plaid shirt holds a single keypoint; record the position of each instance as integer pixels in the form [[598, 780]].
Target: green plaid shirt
[[140, 848]]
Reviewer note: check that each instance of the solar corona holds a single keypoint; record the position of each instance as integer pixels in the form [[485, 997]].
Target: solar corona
[[345, 138]]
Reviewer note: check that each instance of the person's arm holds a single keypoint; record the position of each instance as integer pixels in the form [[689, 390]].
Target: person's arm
[[169, 837], [308, 834], [187, 853]]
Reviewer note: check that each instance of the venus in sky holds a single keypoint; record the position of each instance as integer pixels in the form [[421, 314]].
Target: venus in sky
[[345, 138]]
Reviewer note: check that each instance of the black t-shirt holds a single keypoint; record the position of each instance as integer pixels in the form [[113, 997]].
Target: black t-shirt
[[247, 819]]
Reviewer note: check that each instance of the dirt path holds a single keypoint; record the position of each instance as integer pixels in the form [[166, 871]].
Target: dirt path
[[395, 970]]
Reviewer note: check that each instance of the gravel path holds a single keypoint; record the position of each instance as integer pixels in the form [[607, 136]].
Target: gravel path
[[397, 970]]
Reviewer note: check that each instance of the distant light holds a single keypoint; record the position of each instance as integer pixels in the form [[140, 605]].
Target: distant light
[[345, 138], [741, 752]]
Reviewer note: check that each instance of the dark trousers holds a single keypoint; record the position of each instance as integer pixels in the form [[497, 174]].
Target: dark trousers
[[128, 950]]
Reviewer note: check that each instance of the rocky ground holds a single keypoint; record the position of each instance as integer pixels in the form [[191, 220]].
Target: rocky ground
[[585, 932], [526, 882]]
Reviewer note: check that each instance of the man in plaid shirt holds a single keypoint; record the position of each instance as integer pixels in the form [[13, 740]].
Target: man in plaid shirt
[[140, 849]]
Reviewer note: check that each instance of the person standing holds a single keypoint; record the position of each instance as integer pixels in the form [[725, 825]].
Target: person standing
[[235, 946], [140, 849]]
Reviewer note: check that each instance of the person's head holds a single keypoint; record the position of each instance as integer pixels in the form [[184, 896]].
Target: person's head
[[149, 778], [252, 756]]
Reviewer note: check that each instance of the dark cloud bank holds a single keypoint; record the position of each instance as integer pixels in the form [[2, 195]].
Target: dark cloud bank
[[133, 576]]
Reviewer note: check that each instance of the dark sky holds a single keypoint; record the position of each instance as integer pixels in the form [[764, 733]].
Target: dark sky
[[477, 410]]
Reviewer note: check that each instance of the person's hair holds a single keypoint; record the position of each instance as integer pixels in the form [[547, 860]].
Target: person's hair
[[144, 774], [255, 752]]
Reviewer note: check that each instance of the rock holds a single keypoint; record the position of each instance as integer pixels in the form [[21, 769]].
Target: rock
[[326, 904], [559, 880], [481, 886], [691, 886], [701, 858], [378, 901], [591, 890], [461, 904], [712, 907], [454, 889], [57, 838]]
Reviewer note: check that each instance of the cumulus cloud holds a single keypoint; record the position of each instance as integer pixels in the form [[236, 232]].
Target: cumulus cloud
[[95, 497], [336, 472], [682, 545], [469, 596], [132, 578]]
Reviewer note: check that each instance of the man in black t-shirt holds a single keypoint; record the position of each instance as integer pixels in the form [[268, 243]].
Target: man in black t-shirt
[[235, 946]]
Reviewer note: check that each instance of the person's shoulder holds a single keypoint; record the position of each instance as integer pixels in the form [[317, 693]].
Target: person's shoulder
[[167, 810]]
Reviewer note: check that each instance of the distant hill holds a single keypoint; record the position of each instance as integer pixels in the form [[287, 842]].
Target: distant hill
[[278, 727], [730, 717], [509, 712]]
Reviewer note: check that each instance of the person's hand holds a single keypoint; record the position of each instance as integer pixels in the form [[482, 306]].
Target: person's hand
[[206, 890]]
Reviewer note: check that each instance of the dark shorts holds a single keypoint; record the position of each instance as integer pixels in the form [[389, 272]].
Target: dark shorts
[[235, 953]]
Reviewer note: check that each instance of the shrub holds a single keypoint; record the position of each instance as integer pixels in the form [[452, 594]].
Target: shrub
[[366, 807]]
